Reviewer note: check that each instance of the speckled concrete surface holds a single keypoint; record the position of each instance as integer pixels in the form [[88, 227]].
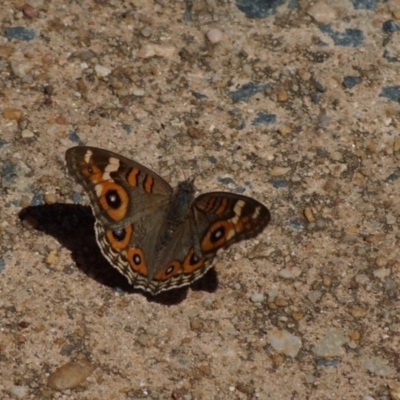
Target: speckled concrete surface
[[293, 103]]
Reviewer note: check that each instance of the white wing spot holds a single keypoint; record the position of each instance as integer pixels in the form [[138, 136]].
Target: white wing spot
[[99, 189], [88, 156], [238, 211], [113, 165], [256, 213]]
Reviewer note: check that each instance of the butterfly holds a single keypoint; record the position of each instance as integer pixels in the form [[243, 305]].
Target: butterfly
[[160, 238]]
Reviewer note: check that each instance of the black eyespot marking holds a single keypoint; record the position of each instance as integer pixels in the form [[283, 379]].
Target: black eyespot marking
[[217, 234], [194, 259], [119, 234], [113, 199], [169, 270], [137, 259]]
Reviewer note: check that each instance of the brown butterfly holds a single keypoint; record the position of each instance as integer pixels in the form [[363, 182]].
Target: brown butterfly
[[160, 238]]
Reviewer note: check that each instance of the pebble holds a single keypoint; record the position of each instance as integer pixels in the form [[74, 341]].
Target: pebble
[[2, 265], [315, 296], [20, 392], [322, 12], [394, 8], [290, 273], [26, 133], [101, 71], [50, 198], [391, 92], [246, 91], [331, 345], [52, 258], [322, 362], [20, 33], [214, 36], [146, 31], [279, 171], [264, 119], [282, 96], [37, 4], [29, 11], [21, 68], [309, 214], [284, 342], [151, 50], [13, 114], [257, 297], [284, 130], [394, 390], [390, 26], [147, 51], [257, 9], [378, 366], [138, 92], [350, 81], [381, 273], [358, 312], [347, 38], [70, 375]]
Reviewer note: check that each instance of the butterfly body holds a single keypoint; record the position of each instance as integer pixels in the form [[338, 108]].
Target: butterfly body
[[159, 237]]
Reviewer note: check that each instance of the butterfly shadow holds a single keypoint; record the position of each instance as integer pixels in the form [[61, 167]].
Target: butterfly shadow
[[73, 226]]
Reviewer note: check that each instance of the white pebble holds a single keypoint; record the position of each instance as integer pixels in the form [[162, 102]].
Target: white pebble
[[284, 342], [26, 133], [20, 392], [214, 36], [138, 92], [101, 71], [21, 68], [257, 297]]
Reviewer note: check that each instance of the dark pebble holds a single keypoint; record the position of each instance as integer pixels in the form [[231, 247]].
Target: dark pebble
[[2, 265], [296, 224], [390, 26], [8, 172], [20, 33], [37, 199], [391, 92], [279, 183], [247, 90], [315, 98], [258, 8], [198, 95], [351, 81], [76, 198], [226, 180], [327, 363], [212, 159], [264, 119], [73, 136], [127, 129], [240, 189], [318, 86], [364, 4], [388, 57], [392, 177], [348, 38]]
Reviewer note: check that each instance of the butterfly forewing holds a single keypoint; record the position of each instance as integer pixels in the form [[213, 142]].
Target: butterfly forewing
[[121, 191]]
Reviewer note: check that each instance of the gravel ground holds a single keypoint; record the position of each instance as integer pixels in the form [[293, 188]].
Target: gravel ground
[[295, 103]]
